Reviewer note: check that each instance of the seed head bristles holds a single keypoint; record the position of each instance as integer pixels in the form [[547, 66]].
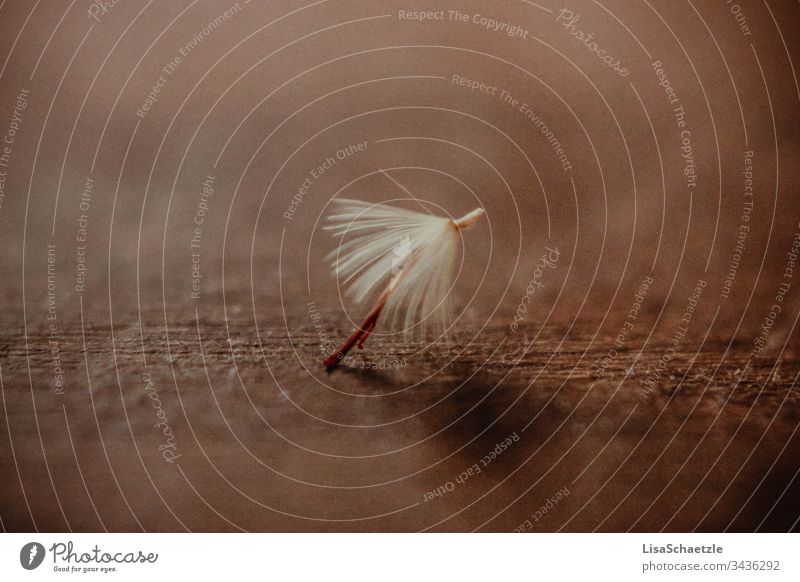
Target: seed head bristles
[[409, 255]]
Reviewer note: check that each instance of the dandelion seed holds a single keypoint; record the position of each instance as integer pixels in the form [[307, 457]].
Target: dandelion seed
[[408, 256]]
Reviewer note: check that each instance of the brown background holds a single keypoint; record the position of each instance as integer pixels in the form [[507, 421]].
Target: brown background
[[267, 440]]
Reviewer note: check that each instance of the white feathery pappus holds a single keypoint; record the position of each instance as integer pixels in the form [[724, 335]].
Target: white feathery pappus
[[408, 256]]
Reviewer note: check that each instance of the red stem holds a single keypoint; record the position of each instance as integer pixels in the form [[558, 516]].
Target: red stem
[[361, 333], [359, 336]]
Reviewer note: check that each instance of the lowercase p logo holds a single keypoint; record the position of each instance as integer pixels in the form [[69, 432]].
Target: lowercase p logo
[[31, 555]]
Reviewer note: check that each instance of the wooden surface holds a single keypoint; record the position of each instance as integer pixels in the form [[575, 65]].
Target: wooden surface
[[186, 311], [267, 441]]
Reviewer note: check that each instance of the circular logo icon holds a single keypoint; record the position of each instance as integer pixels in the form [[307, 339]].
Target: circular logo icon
[[31, 555]]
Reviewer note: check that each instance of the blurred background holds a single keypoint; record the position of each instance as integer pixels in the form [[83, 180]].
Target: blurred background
[[166, 172]]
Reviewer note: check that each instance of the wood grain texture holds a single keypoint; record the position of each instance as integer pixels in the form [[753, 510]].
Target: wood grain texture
[[265, 445]]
